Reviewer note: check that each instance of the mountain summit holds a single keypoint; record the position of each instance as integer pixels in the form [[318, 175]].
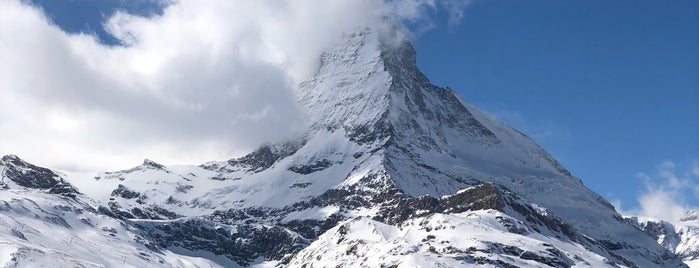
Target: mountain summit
[[393, 171]]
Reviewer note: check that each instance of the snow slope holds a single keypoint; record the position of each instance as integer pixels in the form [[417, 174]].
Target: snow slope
[[442, 240], [42, 229]]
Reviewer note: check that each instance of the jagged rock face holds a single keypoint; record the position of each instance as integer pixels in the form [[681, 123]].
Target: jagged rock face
[[30, 176], [662, 231], [242, 243], [480, 197], [682, 238], [125, 192]]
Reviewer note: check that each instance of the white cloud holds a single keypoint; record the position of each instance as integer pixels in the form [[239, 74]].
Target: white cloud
[[455, 8], [662, 204], [668, 193], [539, 131], [618, 206], [205, 80]]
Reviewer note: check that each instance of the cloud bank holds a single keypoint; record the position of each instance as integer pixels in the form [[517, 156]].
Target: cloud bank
[[205, 80]]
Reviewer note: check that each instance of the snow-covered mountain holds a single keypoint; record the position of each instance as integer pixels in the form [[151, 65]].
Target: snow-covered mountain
[[392, 171], [46, 222], [681, 238]]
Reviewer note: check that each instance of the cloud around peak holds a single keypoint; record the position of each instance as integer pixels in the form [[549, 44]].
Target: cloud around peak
[[203, 80]]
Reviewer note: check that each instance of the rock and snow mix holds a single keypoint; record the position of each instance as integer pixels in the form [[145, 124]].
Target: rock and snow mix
[[681, 238], [443, 240]]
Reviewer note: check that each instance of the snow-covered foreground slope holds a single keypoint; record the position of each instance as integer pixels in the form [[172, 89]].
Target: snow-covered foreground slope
[[389, 160], [482, 237], [43, 227], [46, 230]]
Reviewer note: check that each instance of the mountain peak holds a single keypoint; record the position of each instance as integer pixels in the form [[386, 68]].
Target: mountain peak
[[150, 163], [371, 88], [15, 162], [11, 158]]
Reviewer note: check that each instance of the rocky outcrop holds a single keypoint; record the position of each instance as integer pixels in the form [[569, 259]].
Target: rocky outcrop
[[28, 175], [34, 177], [242, 243]]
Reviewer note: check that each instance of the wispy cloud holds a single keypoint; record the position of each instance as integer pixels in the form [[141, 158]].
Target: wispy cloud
[[537, 131], [455, 8], [669, 193]]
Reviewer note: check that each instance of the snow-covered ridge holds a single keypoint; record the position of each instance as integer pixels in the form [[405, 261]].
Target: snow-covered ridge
[[17, 173], [681, 238]]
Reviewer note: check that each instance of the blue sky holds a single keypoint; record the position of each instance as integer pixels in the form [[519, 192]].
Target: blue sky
[[610, 88]]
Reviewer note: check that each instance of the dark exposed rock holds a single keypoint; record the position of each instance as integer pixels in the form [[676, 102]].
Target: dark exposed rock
[[552, 223], [109, 230], [657, 230], [154, 213], [125, 192], [116, 211], [258, 160], [484, 196], [28, 175], [57, 220], [300, 185], [265, 156], [108, 212], [18, 234], [367, 134], [244, 243], [551, 257], [556, 259], [221, 178], [610, 245], [308, 169], [311, 229], [150, 212], [31, 176], [512, 226], [400, 62], [64, 189], [183, 188], [87, 222], [152, 164]]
